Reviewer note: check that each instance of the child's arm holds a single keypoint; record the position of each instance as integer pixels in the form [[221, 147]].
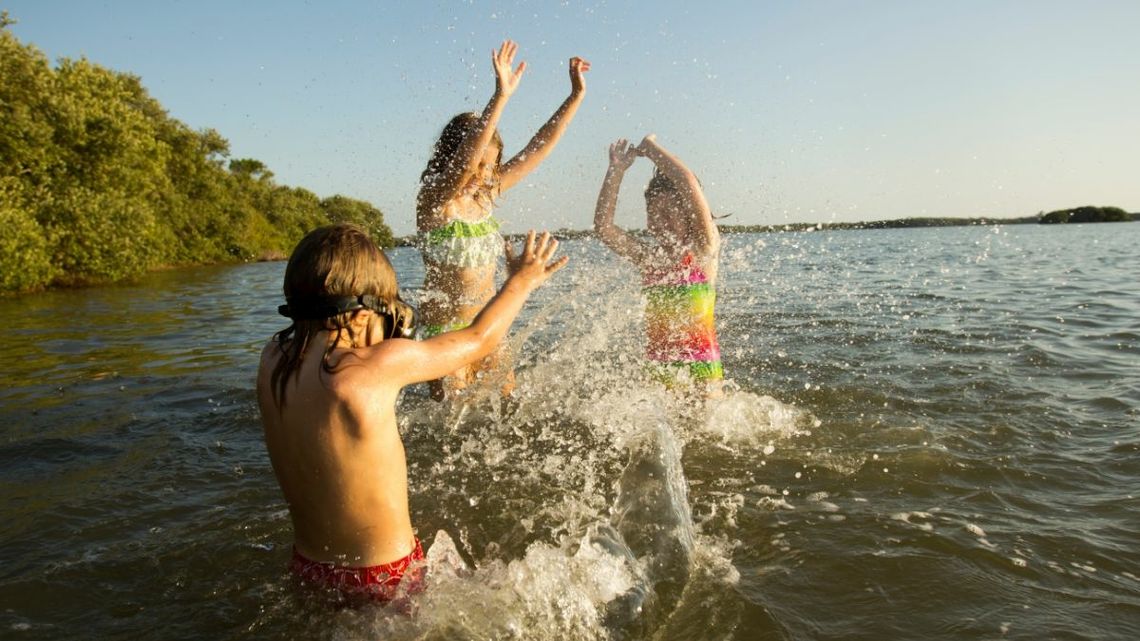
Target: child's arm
[[686, 182], [463, 166], [548, 135], [407, 362], [614, 237]]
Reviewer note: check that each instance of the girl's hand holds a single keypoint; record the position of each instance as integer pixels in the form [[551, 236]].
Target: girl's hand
[[534, 266], [622, 154], [578, 67], [506, 79], [649, 141]]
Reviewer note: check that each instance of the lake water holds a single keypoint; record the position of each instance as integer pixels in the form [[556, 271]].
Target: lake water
[[933, 434]]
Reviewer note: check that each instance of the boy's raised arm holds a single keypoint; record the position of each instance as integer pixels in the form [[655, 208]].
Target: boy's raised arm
[[418, 361]]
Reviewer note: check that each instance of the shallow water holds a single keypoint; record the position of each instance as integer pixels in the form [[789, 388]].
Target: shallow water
[[933, 434]]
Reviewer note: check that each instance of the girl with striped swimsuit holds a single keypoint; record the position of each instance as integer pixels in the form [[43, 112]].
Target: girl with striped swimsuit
[[678, 269]]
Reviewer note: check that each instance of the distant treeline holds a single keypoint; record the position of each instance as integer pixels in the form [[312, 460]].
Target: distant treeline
[[1088, 214], [98, 183]]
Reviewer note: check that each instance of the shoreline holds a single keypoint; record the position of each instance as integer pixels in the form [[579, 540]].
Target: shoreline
[[899, 223], [577, 234]]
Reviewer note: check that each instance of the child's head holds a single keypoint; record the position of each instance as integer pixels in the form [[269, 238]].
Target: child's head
[[338, 261], [448, 144], [334, 273], [664, 210]]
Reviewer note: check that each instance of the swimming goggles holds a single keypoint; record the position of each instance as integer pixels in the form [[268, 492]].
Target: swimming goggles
[[398, 316]]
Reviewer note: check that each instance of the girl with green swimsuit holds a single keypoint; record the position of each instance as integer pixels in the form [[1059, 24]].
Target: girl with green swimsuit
[[458, 236]]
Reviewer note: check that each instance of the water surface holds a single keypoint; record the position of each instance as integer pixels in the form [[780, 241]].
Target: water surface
[[933, 434]]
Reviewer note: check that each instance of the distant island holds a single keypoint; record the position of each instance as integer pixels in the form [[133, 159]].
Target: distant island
[[1085, 214]]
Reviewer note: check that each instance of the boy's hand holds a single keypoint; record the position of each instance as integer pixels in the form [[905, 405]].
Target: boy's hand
[[534, 266], [578, 67], [506, 79]]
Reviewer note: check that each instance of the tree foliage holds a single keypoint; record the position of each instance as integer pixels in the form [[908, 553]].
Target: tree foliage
[[98, 183], [340, 209]]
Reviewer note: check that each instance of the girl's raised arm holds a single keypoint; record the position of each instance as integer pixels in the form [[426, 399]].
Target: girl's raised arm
[[465, 163], [617, 239], [685, 181], [544, 140]]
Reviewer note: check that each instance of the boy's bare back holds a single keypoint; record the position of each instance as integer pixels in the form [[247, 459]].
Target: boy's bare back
[[338, 457]]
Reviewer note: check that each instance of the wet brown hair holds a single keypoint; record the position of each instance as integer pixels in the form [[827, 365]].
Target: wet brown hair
[[662, 185], [659, 183], [335, 261], [452, 136]]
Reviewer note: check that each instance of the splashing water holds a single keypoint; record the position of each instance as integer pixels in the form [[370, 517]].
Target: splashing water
[[568, 502]]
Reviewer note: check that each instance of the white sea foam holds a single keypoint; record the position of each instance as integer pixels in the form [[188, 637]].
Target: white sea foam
[[553, 591], [751, 419], [915, 519]]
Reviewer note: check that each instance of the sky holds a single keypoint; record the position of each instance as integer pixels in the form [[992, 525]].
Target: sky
[[789, 112]]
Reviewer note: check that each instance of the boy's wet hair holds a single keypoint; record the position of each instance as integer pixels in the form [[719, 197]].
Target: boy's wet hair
[[336, 261]]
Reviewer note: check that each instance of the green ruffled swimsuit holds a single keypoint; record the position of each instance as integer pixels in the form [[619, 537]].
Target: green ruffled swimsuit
[[460, 244]]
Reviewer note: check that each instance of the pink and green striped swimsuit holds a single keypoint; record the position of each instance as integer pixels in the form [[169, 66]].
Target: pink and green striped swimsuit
[[680, 325]]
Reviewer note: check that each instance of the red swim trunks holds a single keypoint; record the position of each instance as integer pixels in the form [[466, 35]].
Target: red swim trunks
[[377, 583]]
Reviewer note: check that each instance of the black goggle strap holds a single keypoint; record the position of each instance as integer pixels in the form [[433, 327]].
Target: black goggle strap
[[399, 315], [320, 308]]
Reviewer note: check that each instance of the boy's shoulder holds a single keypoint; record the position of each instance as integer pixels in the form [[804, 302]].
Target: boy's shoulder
[[270, 349], [270, 353], [370, 364]]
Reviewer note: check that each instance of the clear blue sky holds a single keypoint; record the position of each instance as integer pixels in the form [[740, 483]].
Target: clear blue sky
[[788, 111]]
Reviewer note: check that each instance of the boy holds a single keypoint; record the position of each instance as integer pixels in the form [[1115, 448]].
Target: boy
[[327, 388]]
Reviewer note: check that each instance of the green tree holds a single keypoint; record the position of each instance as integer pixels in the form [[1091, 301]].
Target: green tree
[[25, 258], [251, 168], [103, 219], [26, 161], [99, 183], [25, 131], [341, 209]]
